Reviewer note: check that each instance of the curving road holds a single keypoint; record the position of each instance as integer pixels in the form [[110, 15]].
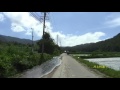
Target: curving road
[[70, 68]]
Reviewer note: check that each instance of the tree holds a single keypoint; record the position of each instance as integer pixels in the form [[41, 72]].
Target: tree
[[49, 46]]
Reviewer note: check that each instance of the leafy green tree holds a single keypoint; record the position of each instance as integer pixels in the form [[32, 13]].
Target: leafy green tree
[[49, 46]]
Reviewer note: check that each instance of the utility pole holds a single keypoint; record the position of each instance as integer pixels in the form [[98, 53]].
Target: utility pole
[[44, 17], [60, 43], [57, 39], [41, 19], [32, 39], [43, 32]]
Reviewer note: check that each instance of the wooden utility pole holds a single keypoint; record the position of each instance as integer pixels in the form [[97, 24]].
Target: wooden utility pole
[[60, 43], [43, 32], [57, 39], [32, 40]]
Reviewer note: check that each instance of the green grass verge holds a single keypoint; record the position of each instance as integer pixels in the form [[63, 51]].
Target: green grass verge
[[103, 69]]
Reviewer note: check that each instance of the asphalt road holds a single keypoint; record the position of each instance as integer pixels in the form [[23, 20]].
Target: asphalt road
[[70, 68]]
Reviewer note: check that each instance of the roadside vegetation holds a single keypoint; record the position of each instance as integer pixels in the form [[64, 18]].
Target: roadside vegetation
[[16, 57], [96, 54], [111, 73]]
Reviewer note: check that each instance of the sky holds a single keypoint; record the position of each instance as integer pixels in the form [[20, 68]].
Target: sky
[[72, 28]]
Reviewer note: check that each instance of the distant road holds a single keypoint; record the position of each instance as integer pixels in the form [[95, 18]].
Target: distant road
[[70, 68]]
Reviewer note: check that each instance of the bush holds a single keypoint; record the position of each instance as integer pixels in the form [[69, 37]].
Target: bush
[[16, 58], [6, 68]]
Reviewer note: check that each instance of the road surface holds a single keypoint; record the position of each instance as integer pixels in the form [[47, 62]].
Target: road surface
[[70, 68]]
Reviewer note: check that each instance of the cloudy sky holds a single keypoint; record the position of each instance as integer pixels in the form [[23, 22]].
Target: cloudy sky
[[72, 28]]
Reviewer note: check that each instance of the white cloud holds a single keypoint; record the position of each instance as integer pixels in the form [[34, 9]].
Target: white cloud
[[28, 33], [17, 28], [23, 22], [1, 17], [113, 20], [72, 40]]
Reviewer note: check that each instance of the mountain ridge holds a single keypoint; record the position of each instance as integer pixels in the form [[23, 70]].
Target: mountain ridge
[[110, 45], [5, 38]]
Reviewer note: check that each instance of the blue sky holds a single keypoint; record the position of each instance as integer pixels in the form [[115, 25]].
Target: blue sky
[[81, 23], [73, 28]]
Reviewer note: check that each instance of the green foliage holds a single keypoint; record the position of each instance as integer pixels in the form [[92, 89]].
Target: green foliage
[[6, 68], [15, 58], [93, 54], [49, 46]]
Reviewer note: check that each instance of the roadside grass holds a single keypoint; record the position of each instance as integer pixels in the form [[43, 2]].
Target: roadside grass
[[103, 69]]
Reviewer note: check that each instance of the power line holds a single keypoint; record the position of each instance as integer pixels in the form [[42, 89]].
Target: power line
[[35, 16]]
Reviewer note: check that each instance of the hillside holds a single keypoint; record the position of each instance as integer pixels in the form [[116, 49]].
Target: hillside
[[14, 39], [109, 45]]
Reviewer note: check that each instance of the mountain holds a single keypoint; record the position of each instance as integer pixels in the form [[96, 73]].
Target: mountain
[[109, 45], [14, 39]]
